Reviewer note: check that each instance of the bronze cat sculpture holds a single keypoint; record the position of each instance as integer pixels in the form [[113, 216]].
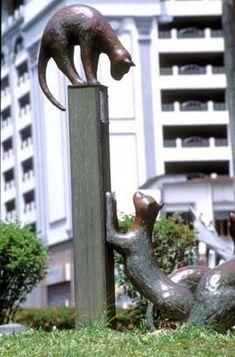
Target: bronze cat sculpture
[[84, 26], [196, 295], [173, 300]]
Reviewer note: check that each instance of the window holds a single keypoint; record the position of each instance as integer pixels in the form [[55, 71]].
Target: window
[[6, 117], [4, 83], [32, 227], [22, 72], [7, 147], [24, 103], [26, 136], [10, 207], [8, 178], [3, 59], [27, 168], [19, 45], [29, 201]]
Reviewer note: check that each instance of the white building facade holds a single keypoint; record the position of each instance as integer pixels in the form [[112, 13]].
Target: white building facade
[[167, 116]]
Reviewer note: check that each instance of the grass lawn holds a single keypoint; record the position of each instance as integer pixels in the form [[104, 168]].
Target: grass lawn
[[102, 342]]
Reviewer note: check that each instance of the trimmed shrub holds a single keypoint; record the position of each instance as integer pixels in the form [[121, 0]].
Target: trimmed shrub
[[47, 318], [23, 264]]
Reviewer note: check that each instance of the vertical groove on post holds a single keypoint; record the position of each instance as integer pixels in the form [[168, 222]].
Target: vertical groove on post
[[90, 179]]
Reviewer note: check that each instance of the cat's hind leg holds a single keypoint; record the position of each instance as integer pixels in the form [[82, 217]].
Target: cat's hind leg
[[64, 63], [71, 58]]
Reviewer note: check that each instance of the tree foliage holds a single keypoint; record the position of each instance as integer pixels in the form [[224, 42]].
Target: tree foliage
[[23, 264]]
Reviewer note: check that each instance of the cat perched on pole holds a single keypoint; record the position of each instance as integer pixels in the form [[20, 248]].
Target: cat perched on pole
[[84, 26]]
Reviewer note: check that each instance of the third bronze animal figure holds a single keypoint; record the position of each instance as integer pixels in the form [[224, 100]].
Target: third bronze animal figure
[[84, 26]]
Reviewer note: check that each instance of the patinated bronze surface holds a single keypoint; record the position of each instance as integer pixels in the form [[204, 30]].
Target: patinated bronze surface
[[189, 276], [194, 294], [84, 26], [173, 300]]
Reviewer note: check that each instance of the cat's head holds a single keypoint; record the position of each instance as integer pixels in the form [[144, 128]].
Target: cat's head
[[120, 64]]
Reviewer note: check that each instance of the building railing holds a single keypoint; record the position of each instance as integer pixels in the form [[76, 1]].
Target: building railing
[[190, 32], [27, 175], [5, 122], [218, 69], [12, 20], [9, 184], [219, 106], [11, 215], [168, 107], [193, 105], [5, 91], [221, 142], [170, 143], [191, 69], [30, 206], [7, 154], [195, 141], [26, 142], [23, 78], [25, 110]]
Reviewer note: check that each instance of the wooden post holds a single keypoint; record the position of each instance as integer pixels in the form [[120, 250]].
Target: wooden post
[[90, 178]]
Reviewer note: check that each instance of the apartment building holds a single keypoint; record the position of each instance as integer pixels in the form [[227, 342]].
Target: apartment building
[[167, 117]]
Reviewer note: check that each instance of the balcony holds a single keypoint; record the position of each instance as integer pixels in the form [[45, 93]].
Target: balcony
[[26, 151], [196, 141], [192, 148], [192, 76], [190, 39], [191, 69], [29, 210], [30, 206], [6, 116], [194, 105], [7, 154], [194, 112], [26, 142], [23, 85], [13, 20], [28, 175], [5, 98], [24, 118], [28, 181], [11, 215]]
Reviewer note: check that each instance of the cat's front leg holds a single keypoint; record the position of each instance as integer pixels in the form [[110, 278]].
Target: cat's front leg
[[90, 63]]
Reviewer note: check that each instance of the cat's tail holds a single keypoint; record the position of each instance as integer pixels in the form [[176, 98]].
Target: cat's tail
[[42, 65]]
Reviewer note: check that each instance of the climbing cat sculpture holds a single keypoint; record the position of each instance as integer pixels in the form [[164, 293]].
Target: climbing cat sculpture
[[195, 295]]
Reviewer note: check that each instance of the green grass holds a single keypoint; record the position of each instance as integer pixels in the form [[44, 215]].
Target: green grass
[[102, 342]]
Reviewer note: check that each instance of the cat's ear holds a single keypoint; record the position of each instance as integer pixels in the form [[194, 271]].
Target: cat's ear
[[130, 62]]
